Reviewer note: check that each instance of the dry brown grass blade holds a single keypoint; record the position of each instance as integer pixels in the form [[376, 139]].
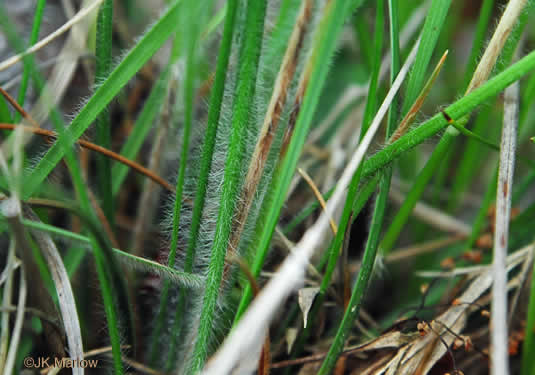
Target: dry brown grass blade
[[66, 300], [38, 294], [415, 250], [390, 340], [409, 117], [495, 46], [264, 363], [448, 325], [395, 339], [318, 196]]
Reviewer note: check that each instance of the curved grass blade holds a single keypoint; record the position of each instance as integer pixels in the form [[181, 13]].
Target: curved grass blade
[[186, 280], [133, 61]]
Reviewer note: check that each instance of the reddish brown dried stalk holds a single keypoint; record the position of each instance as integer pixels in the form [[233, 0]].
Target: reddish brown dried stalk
[[91, 146], [409, 117], [35, 129]]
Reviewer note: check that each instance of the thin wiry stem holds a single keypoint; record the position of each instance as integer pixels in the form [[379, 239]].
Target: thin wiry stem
[[104, 151], [318, 196], [499, 341], [35, 129], [409, 117]]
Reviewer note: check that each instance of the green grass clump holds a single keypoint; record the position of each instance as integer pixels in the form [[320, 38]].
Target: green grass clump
[[215, 102]]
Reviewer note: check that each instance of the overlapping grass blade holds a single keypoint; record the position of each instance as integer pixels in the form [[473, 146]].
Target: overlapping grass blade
[[245, 90], [129, 66]]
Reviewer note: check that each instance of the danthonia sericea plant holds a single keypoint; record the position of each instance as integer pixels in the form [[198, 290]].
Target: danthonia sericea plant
[[267, 186]]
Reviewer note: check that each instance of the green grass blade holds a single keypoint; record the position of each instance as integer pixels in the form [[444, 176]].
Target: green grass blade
[[5, 115], [479, 39], [378, 214], [133, 61], [151, 109], [216, 100], [231, 181], [34, 36], [365, 43], [363, 278], [528, 348], [189, 43], [184, 279], [194, 10], [103, 123], [430, 33], [188, 121], [348, 213], [414, 195], [323, 49], [432, 29]]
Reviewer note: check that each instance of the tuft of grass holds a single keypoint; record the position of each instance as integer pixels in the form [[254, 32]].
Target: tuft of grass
[[228, 100], [250, 55]]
